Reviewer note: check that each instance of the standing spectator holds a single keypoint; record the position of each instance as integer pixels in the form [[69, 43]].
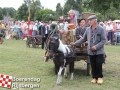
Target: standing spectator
[[8, 31], [35, 29], [20, 34], [61, 29], [30, 28], [66, 25], [2, 27], [109, 29], [44, 32], [114, 32], [24, 29], [102, 24], [40, 28], [16, 31], [95, 35]]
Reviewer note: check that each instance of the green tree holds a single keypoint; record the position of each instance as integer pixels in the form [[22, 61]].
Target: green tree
[[102, 5], [36, 11], [45, 15], [112, 13], [73, 4], [22, 12], [9, 11], [35, 8], [106, 9], [1, 14], [59, 10], [86, 5]]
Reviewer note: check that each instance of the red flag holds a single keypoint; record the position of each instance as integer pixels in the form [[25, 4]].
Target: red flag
[[5, 81]]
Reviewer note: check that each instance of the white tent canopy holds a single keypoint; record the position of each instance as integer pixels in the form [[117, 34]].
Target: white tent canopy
[[116, 20]]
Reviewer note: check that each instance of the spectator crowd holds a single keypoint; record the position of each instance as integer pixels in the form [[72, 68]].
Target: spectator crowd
[[20, 29]]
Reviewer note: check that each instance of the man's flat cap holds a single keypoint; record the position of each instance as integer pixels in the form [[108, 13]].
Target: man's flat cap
[[92, 17]]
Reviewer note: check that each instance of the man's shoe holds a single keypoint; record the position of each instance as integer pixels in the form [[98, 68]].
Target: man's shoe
[[100, 80], [93, 80]]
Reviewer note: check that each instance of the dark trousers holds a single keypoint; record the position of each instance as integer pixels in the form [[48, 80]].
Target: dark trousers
[[44, 40], [110, 36], [96, 65]]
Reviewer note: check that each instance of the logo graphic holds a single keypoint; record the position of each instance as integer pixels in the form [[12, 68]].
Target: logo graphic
[[5, 81]]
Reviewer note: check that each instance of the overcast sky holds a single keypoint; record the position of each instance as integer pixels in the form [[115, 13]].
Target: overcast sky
[[51, 4]]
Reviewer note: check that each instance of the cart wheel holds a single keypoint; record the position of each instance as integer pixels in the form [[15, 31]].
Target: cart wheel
[[33, 45], [27, 44]]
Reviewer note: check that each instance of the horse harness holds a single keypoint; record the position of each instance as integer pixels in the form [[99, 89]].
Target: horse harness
[[68, 53]]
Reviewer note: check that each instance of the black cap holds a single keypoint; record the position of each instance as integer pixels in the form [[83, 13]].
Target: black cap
[[92, 17]]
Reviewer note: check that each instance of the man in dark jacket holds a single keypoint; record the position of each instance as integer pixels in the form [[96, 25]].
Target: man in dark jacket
[[96, 37], [44, 33]]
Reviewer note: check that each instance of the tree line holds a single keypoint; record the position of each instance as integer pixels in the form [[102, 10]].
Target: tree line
[[105, 9]]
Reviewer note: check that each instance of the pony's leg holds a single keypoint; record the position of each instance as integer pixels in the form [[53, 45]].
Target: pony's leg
[[59, 78], [56, 69], [65, 68], [71, 70], [65, 71]]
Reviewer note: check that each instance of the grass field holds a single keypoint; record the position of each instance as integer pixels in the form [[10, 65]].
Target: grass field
[[19, 61]]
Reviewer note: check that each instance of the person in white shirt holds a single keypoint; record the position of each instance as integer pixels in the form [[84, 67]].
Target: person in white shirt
[[109, 29], [35, 29]]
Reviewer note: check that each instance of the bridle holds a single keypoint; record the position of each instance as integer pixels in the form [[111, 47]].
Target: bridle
[[48, 41]]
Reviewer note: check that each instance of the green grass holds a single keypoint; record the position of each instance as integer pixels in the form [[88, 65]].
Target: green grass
[[19, 61]]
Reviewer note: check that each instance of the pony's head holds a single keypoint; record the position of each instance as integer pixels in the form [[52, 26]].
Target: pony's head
[[53, 45]]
